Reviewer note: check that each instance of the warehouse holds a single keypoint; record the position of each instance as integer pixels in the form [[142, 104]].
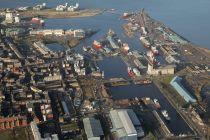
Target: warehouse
[[177, 85], [125, 125], [162, 70], [93, 128]]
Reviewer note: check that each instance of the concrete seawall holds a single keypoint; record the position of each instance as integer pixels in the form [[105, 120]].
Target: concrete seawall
[[52, 13]]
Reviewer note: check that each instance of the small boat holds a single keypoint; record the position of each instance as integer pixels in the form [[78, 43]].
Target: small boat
[[84, 48], [113, 11], [126, 15], [157, 104], [165, 114]]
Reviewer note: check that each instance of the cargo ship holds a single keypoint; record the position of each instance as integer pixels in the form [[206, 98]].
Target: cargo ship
[[145, 42], [154, 50], [151, 58], [165, 114], [97, 44], [38, 21]]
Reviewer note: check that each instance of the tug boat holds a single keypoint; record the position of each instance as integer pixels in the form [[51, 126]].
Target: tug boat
[[157, 104], [97, 44]]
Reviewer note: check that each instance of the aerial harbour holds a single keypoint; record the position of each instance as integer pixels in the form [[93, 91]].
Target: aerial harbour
[[68, 68]]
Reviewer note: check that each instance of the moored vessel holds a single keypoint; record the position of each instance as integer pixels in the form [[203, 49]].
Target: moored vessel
[[157, 104], [130, 72], [126, 15], [97, 44], [145, 42], [38, 21], [154, 50], [166, 115]]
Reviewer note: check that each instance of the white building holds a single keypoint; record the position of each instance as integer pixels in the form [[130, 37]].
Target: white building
[[62, 7], [163, 70], [9, 17], [17, 19], [125, 125]]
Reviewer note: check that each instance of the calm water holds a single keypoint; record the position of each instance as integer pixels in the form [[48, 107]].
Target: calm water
[[190, 18], [152, 91]]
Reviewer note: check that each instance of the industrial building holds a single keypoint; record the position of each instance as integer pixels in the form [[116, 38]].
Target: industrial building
[[125, 124], [162, 70], [42, 48], [93, 128], [177, 85], [173, 37], [78, 33], [67, 7], [15, 31]]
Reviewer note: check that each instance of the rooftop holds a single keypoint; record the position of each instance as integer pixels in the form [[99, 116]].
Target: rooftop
[[92, 127], [176, 83]]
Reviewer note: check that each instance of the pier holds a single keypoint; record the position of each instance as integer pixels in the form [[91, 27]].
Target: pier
[[162, 124], [52, 13], [122, 81]]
